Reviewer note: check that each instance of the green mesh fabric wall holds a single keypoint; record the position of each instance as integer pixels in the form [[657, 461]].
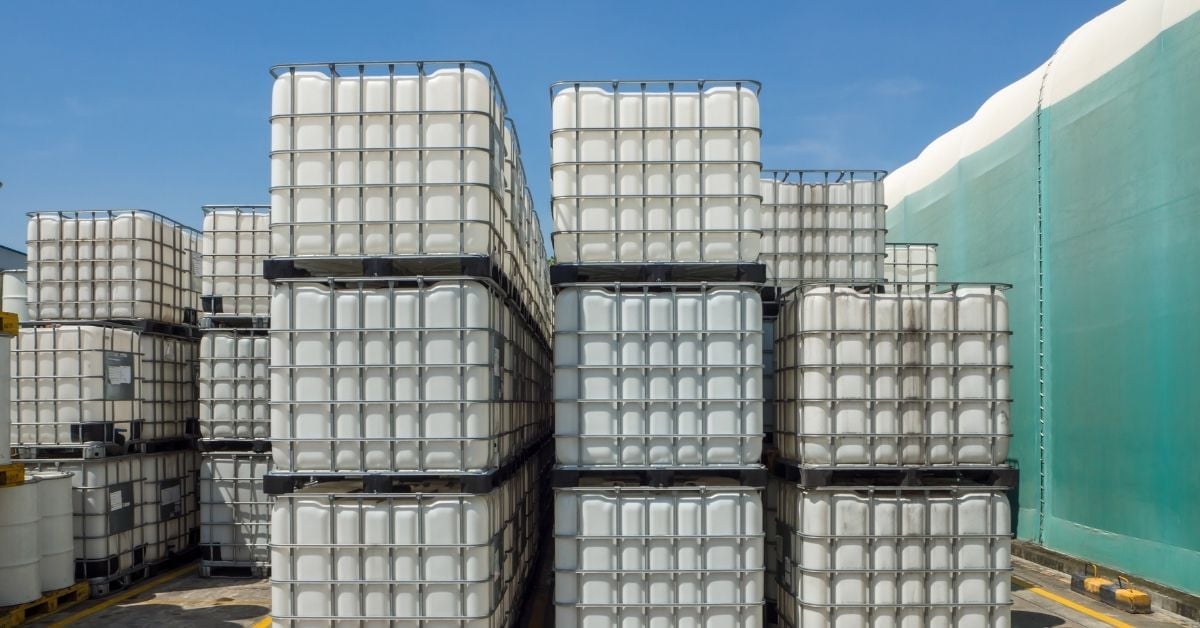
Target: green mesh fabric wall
[[1121, 217]]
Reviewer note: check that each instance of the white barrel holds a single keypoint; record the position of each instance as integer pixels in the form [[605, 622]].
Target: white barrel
[[6, 405], [56, 543], [13, 295], [19, 553], [109, 507]]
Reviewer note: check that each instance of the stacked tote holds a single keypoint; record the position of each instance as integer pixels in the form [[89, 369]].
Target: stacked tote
[[104, 385], [409, 347], [892, 425], [658, 354], [235, 512]]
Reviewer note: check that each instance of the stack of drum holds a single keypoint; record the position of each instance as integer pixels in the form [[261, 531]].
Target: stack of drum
[[887, 502], [409, 348], [235, 513], [104, 386], [658, 353]]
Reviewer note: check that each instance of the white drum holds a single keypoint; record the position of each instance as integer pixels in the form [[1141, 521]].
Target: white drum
[[56, 543], [19, 553]]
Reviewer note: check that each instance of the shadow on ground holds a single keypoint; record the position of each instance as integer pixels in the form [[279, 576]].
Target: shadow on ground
[[1031, 619], [147, 615]]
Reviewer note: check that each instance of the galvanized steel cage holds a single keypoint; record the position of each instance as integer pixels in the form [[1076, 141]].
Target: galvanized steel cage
[[499, 367], [74, 384], [872, 376], [910, 262], [655, 171], [236, 240], [660, 405], [168, 375], [484, 576], [235, 384], [809, 235], [651, 574], [235, 513], [898, 577], [81, 268]]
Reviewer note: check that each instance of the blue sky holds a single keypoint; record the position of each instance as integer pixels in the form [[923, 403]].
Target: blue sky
[[164, 105]]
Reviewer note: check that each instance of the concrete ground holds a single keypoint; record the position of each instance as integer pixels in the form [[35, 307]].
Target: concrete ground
[[1042, 599]]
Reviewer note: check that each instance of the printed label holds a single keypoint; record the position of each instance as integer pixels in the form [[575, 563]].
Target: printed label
[[118, 375], [170, 499], [498, 367], [197, 272], [120, 507]]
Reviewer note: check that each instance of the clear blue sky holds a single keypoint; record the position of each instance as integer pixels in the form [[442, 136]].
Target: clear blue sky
[[164, 105]]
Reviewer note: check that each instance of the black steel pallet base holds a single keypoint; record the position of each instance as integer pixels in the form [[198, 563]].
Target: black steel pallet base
[[101, 449], [229, 321], [162, 445], [379, 266], [393, 269], [823, 477], [657, 272], [570, 477], [82, 451], [281, 483], [228, 570], [248, 445], [104, 585], [179, 330]]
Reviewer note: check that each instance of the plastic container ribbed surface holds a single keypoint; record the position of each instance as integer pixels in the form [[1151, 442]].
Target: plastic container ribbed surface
[[167, 369], [910, 262], [130, 510], [13, 293], [433, 557], [172, 519], [111, 264], [108, 500], [662, 375], [919, 377], [235, 514], [235, 384], [67, 377], [656, 171], [236, 239], [409, 159], [913, 557], [823, 225], [56, 543], [92, 382], [675, 556], [426, 375], [19, 555]]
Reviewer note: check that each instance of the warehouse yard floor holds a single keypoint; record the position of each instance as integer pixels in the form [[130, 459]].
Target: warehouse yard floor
[[1042, 599]]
